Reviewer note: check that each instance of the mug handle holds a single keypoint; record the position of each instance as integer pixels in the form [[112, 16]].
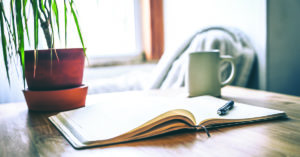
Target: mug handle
[[226, 58]]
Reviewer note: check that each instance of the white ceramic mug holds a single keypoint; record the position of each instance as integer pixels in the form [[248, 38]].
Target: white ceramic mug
[[203, 73]]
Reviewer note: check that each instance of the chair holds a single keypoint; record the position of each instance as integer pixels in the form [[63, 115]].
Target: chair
[[170, 70]]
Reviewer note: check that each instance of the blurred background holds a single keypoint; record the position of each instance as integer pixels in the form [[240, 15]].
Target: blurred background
[[125, 40]]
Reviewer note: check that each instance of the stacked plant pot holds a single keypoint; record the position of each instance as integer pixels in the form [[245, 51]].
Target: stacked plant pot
[[55, 80]]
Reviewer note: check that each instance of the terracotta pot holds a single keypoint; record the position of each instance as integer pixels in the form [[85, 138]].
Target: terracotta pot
[[56, 100], [53, 74]]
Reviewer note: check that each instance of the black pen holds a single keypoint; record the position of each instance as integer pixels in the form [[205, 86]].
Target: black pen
[[224, 109]]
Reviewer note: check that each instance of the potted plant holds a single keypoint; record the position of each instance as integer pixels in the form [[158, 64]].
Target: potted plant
[[54, 76]]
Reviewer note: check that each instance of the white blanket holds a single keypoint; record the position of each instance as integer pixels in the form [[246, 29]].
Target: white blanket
[[170, 71]]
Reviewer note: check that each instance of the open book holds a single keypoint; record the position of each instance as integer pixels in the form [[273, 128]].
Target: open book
[[128, 116]]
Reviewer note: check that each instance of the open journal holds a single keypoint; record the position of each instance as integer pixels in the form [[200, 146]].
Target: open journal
[[128, 116]]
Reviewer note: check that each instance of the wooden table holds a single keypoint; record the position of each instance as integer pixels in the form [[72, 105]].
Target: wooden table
[[25, 133]]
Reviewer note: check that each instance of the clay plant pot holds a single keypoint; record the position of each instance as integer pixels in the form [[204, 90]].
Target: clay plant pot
[[57, 72], [56, 100]]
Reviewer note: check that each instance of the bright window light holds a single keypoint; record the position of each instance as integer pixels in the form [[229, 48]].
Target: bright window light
[[109, 27]]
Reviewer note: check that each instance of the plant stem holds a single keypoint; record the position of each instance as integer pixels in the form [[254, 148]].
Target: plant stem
[[44, 24], [46, 30]]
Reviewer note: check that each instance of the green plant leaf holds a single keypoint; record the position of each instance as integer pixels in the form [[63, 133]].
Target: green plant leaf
[[45, 3], [3, 40], [10, 33], [51, 26], [55, 11], [77, 25], [13, 32], [66, 22], [20, 30], [42, 5], [25, 19], [52, 37], [7, 23], [35, 22], [13, 23], [36, 15]]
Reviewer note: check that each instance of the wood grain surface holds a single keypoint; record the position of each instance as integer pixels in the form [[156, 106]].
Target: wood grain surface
[[24, 133]]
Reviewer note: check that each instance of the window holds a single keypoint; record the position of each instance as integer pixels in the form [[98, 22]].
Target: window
[[110, 28]]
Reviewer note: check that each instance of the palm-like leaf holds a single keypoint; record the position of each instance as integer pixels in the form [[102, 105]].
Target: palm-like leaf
[[3, 40], [13, 31], [66, 21], [77, 24], [20, 33]]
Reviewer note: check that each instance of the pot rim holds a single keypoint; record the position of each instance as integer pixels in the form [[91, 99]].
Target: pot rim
[[59, 49]]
